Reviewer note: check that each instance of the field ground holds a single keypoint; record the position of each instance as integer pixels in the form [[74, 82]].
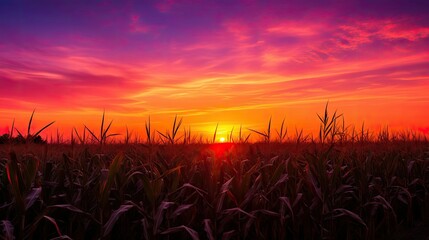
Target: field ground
[[360, 190]]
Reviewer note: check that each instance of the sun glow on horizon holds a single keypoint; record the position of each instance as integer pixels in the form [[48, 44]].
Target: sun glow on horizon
[[222, 139]]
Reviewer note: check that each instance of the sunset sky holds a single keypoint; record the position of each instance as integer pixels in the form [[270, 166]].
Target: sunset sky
[[232, 62]]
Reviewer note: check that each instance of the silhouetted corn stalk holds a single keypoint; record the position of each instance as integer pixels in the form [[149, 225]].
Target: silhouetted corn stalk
[[30, 137], [267, 134]]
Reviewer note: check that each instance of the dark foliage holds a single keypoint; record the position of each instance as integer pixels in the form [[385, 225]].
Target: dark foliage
[[376, 190], [5, 139]]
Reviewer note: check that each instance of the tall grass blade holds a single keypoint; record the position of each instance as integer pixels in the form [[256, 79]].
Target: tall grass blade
[[106, 186], [11, 129], [92, 134], [160, 215], [29, 123], [208, 229], [192, 233], [148, 132], [214, 134], [107, 228], [32, 197], [102, 126], [14, 177], [7, 230], [52, 220], [41, 130]]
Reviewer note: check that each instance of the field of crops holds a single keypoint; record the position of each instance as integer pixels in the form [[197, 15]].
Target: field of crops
[[335, 186]]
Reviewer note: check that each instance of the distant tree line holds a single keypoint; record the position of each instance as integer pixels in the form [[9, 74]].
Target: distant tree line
[[6, 139]]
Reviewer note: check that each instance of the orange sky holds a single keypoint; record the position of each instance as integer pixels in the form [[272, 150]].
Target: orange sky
[[211, 62]]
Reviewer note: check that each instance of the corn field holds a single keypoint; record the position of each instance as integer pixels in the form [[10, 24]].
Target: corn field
[[341, 184]]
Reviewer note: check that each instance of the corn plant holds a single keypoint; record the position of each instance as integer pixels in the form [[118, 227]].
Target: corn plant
[[187, 136], [128, 135], [230, 138], [149, 134], [328, 125], [172, 137], [104, 135], [214, 133], [282, 133], [267, 134], [29, 137], [364, 188], [241, 138], [82, 139]]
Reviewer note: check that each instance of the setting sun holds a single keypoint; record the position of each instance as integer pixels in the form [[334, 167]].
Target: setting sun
[[248, 119]]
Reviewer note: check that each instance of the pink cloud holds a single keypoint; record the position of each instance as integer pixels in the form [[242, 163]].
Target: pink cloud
[[61, 80], [394, 31], [295, 28], [240, 31], [355, 34], [242, 63]]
